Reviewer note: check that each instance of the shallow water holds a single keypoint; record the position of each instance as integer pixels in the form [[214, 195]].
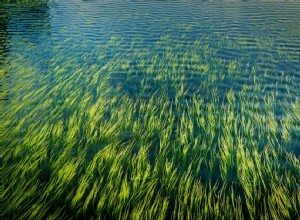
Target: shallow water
[[241, 42], [60, 58], [263, 35]]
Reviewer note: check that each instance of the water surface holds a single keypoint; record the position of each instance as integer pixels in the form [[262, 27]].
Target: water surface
[[201, 88]]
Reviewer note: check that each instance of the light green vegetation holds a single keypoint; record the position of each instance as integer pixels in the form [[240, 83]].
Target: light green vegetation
[[132, 136]]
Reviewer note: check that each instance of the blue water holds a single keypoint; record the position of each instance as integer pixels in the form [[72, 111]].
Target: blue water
[[207, 45], [260, 34]]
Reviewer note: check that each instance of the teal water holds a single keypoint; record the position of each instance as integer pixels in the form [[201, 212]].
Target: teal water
[[82, 77], [234, 40], [264, 35]]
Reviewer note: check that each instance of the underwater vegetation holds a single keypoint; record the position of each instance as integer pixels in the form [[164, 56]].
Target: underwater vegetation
[[172, 130]]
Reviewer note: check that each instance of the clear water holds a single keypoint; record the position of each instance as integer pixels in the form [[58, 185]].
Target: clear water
[[241, 42], [54, 56], [259, 34]]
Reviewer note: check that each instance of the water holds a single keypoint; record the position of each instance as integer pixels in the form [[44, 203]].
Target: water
[[264, 35], [241, 42], [59, 60]]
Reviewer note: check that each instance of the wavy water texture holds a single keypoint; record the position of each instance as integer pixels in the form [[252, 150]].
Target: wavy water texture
[[150, 109]]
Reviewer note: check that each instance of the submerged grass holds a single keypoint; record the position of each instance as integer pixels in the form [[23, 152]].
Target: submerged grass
[[133, 137]]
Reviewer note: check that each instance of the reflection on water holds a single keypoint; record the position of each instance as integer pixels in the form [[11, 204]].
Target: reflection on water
[[4, 43], [23, 27], [4, 47]]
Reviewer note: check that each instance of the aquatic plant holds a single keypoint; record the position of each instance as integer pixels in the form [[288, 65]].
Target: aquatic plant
[[121, 132]]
